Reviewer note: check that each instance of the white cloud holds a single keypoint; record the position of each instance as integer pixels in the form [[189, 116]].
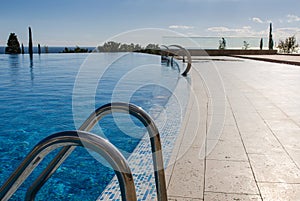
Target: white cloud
[[292, 18], [218, 29], [246, 31], [258, 20], [180, 27], [243, 31], [285, 32], [290, 29]]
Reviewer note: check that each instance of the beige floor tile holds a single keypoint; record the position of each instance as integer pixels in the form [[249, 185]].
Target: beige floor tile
[[294, 154], [289, 137], [251, 125], [229, 177], [230, 133], [274, 168], [212, 196], [261, 143], [188, 176], [183, 199], [282, 124], [228, 150], [280, 191], [215, 126], [272, 115]]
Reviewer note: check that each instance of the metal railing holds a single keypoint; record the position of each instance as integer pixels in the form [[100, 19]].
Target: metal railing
[[92, 120], [187, 53], [67, 139]]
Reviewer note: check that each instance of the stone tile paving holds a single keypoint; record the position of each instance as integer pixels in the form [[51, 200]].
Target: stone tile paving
[[257, 155]]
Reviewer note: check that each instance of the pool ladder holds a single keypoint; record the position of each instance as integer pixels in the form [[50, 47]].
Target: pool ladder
[[165, 57], [68, 140]]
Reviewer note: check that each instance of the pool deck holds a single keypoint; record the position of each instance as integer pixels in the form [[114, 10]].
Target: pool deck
[[277, 58], [257, 154]]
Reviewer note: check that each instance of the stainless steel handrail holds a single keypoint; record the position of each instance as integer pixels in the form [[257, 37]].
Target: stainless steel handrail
[[166, 48], [92, 120], [189, 57], [165, 56], [71, 138]]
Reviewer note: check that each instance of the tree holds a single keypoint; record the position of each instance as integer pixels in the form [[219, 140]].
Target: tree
[[152, 46], [46, 49], [23, 51], [246, 45], [289, 45], [222, 44], [13, 45], [110, 46], [76, 50], [271, 42], [30, 48], [39, 49], [261, 44]]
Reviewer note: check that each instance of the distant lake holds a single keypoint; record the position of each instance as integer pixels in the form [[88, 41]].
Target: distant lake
[[50, 49]]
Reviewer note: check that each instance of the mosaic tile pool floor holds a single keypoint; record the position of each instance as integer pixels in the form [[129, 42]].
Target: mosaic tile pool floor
[[140, 161]]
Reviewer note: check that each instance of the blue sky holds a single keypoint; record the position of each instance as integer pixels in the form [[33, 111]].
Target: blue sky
[[89, 22]]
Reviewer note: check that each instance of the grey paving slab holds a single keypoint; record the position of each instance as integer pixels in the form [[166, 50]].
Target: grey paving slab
[[212, 196], [229, 177]]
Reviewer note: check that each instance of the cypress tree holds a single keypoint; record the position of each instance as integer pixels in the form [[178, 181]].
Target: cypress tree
[[39, 48], [23, 51], [30, 49], [13, 45], [261, 44], [271, 43]]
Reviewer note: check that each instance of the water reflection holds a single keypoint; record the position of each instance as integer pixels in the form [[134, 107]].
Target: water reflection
[[14, 64], [14, 60], [31, 68]]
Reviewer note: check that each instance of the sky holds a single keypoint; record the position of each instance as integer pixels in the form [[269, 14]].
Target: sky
[[90, 22]]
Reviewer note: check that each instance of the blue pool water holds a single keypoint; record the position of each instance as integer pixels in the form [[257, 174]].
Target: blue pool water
[[55, 92]]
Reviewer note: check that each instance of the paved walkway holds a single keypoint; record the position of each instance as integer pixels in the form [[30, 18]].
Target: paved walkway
[[287, 59], [256, 155]]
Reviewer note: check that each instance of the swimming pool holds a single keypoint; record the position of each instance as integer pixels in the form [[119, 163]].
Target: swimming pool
[[51, 94]]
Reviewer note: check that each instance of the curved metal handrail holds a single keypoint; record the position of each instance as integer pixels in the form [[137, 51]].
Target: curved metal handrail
[[165, 54], [92, 120], [189, 57], [71, 138], [166, 48]]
